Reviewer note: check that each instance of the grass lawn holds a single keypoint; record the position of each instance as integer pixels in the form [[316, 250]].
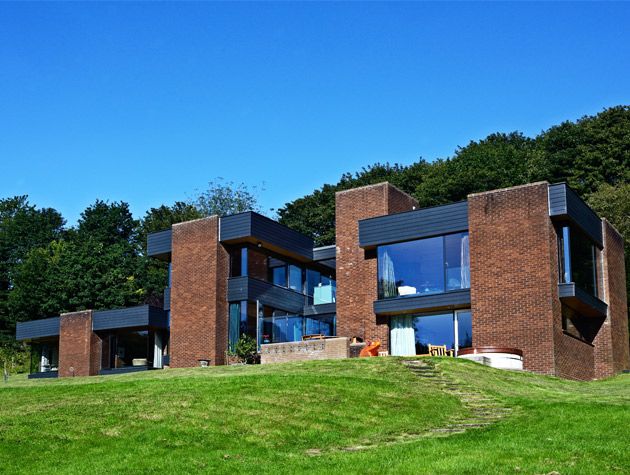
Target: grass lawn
[[267, 419]]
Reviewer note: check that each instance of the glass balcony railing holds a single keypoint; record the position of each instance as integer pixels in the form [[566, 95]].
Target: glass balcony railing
[[324, 294]]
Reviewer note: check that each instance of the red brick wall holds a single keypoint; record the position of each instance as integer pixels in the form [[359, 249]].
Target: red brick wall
[[513, 272], [356, 272], [96, 353], [79, 350], [574, 358], [199, 310], [611, 343]]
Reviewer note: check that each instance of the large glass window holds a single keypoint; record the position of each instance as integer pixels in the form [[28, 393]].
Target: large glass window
[[412, 335], [320, 326], [44, 356], [578, 257], [464, 328], [433, 330], [238, 262], [252, 262], [279, 275], [295, 278], [234, 326], [130, 348], [242, 321], [583, 266], [457, 261], [277, 326], [424, 266]]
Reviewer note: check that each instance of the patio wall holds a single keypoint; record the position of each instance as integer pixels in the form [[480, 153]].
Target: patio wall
[[326, 349]]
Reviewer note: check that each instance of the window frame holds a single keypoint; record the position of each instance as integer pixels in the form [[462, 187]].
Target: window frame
[[445, 267]]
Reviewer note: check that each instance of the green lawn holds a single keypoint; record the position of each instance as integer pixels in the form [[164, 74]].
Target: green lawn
[[268, 419]]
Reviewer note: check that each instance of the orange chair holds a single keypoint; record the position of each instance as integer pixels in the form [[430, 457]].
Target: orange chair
[[371, 349]]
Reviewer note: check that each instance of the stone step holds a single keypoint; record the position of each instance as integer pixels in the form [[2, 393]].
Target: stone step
[[484, 410], [473, 425], [448, 430]]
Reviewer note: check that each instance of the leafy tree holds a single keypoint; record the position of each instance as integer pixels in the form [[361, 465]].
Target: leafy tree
[[498, 161], [590, 152], [154, 272], [23, 227], [107, 224], [314, 214], [97, 265], [163, 217], [613, 203], [103, 264], [39, 284], [225, 198]]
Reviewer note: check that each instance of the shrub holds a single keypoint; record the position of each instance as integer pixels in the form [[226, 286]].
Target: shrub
[[246, 349]]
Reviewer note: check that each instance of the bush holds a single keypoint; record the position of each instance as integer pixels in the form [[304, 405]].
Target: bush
[[246, 349], [16, 358]]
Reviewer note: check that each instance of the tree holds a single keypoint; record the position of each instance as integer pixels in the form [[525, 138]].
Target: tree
[[498, 161], [107, 223], [39, 285], [314, 214], [587, 153], [590, 152], [163, 217], [97, 265], [23, 227], [225, 198], [103, 264], [154, 272], [613, 203]]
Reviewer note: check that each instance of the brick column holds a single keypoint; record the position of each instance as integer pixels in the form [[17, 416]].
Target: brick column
[[356, 269], [199, 309], [513, 273], [611, 342], [79, 347]]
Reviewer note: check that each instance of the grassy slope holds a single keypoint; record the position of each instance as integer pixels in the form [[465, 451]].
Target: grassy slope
[[262, 419]]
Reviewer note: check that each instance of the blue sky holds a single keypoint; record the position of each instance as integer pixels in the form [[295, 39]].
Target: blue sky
[[147, 102]]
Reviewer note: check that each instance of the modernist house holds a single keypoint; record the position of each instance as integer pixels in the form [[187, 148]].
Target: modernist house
[[531, 268]]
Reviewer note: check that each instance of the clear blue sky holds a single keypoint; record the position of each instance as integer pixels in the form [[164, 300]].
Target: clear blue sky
[[147, 102]]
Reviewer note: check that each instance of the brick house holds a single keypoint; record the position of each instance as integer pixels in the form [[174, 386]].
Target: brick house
[[529, 272]]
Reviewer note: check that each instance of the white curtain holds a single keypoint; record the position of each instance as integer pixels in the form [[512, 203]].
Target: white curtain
[[403, 340], [465, 260], [44, 364], [387, 277], [157, 351]]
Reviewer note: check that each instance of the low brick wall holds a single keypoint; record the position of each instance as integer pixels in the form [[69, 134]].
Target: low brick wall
[[328, 349]]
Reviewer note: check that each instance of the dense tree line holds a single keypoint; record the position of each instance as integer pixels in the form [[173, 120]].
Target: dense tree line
[[47, 267]]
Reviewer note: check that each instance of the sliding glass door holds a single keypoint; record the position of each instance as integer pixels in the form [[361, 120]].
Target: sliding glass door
[[412, 334]]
